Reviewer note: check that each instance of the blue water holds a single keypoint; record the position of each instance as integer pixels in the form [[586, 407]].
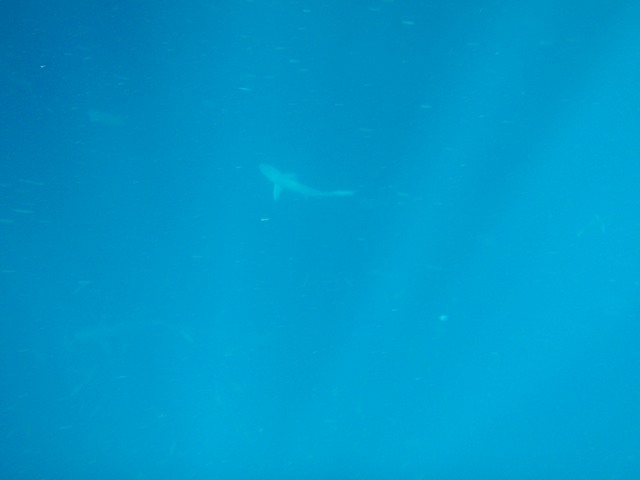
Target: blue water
[[472, 312]]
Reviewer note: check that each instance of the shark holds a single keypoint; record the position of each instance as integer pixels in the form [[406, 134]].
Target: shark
[[289, 182]]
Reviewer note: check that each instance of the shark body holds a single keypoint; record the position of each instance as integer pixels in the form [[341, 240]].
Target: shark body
[[289, 182]]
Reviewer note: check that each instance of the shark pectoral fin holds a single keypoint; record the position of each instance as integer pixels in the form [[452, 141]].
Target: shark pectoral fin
[[277, 191]]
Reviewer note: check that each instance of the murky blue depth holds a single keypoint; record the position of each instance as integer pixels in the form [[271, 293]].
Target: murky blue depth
[[379, 239]]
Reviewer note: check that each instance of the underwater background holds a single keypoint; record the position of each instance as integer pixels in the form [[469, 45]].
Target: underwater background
[[470, 312]]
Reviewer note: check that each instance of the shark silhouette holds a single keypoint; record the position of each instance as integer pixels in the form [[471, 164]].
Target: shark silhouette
[[289, 181]]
